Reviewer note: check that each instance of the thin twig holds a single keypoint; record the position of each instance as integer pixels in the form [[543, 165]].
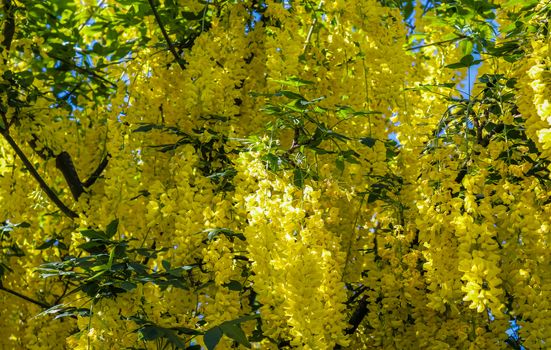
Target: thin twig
[[96, 174], [82, 69], [92, 13], [352, 238], [461, 37], [165, 35], [311, 30], [24, 297], [43, 185]]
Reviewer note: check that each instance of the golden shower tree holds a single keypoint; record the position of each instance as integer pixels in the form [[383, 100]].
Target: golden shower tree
[[270, 174]]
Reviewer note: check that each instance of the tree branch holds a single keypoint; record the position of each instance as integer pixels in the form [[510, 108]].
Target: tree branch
[[165, 35], [95, 175], [82, 69], [356, 319], [65, 164], [24, 297], [43, 185], [8, 32], [358, 315]]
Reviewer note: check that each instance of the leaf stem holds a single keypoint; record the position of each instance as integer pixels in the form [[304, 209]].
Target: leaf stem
[[311, 30], [460, 37]]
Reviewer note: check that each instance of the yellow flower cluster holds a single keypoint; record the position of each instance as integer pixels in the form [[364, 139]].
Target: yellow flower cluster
[[420, 221]]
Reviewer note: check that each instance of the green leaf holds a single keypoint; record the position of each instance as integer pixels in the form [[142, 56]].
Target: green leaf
[[192, 16], [466, 61], [139, 268], [298, 178], [212, 337], [350, 156], [150, 332], [93, 234], [293, 81], [466, 47], [235, 332], [149, 127], [187, 331], [25, 78], [89, 246], [274, 162], [372, 197], [245, 318], [291, 95], [128, 286], [7, 75], [233, 285], [340, 163], [213, 232], [178, 342], [368, 141], [111, 229], [49, 243]]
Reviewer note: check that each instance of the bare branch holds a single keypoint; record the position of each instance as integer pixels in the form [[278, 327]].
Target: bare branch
[[165, 35], [65, 164], [24, 297], [43, 185], [95, 175]]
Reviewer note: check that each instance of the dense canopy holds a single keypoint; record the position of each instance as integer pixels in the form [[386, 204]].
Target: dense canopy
[[272, 174]]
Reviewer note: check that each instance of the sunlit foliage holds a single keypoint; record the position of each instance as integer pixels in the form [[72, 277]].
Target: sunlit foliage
[[272, 174]]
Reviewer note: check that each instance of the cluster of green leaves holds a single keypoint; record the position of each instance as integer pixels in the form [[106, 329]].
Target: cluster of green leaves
[[19, 91], [112, 267], [72, 65], [174, 336], [478, 120], [215, 162], [8, 247], [475, 30], [311, 135]]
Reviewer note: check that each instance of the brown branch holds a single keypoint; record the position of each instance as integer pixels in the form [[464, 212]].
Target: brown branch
[[165, 35], [358, 315], [43, 185], [45, 152], [82, 69], [356, 319], [95, 175], [65, 164], [24, 297]]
